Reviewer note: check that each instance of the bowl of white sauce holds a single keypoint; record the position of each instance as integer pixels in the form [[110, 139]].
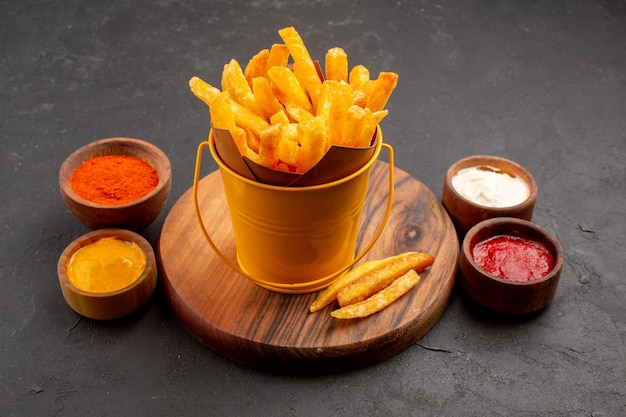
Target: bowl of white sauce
[[481, 187]]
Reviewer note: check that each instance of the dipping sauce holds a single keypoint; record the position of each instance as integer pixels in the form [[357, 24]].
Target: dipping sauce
[[488, 186], [513, 258], [106, 265]]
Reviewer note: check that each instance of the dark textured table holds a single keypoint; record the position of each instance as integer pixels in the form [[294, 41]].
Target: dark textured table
[[542, 83]]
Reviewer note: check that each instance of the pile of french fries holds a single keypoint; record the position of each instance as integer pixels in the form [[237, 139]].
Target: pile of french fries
[[373, 285], [283, 114]]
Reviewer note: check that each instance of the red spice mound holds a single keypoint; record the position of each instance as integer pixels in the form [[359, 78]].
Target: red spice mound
[[513, 258], [113, 179]]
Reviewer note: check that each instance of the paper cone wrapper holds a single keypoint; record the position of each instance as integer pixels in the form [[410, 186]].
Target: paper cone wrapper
[[337, 163]]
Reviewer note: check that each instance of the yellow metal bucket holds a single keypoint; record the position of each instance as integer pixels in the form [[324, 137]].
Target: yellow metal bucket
[[294, 239]]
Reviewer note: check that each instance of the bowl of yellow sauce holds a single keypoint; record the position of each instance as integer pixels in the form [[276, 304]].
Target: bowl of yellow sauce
[[107, 274]]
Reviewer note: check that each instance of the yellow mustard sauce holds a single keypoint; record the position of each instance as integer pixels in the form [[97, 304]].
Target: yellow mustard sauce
[[106, 265]]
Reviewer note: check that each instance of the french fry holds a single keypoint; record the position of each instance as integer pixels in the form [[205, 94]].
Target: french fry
[[280, 117], [221, 113], [278, 56], [254, 142], [380, 278], [342, 100], [294, 111], [240, 137], [248, 120], [325, 101], [291, 132], [222, 117], [297, 113], [380, 300], [203, 90], [269, 143], [312, 134], [301, 76], [352, 126], [256, 67], [299, 73], [288, 149], [362, 94], [381, 90], [380, 115], [334, 101], [359, 127], [367, 130], [281, 166], [330, 293], [286, 81], [336, 65], [302, 58], [266, 101], [235, 83], [359, 75]]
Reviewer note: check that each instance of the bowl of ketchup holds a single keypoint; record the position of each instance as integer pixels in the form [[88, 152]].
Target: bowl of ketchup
[[510, 265]]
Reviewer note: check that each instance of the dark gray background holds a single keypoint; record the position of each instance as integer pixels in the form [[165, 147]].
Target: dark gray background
[[540, 82]]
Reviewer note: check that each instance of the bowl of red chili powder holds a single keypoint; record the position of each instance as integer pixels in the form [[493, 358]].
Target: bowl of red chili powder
[[510, 266], [116, 182]]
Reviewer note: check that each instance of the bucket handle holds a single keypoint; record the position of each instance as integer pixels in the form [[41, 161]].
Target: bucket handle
[[238, 269]]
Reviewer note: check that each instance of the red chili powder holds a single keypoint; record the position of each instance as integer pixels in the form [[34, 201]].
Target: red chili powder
[[113, 179], [513, 258]]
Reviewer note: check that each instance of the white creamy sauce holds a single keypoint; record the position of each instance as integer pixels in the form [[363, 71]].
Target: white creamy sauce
[[488, 186]]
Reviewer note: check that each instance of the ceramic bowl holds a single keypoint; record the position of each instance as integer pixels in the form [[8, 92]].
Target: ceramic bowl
[[135, 215], [465, 213], [503, 295], [110, 305]]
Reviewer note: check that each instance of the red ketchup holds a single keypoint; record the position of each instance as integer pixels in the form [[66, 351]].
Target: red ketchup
[[513, 258]]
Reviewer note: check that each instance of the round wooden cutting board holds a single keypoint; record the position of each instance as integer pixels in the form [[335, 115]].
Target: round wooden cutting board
[[248, 324]]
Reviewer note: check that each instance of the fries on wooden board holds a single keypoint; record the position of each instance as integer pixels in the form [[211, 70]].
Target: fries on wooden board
[[284, 116], [373, 285], [380, 300]]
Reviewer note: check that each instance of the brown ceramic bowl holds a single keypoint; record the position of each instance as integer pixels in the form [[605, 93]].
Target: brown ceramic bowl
[[465, 214], [110, 305], [503, 295], [135, 215]]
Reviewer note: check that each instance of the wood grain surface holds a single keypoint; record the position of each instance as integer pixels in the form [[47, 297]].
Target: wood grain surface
[[253, 326]]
